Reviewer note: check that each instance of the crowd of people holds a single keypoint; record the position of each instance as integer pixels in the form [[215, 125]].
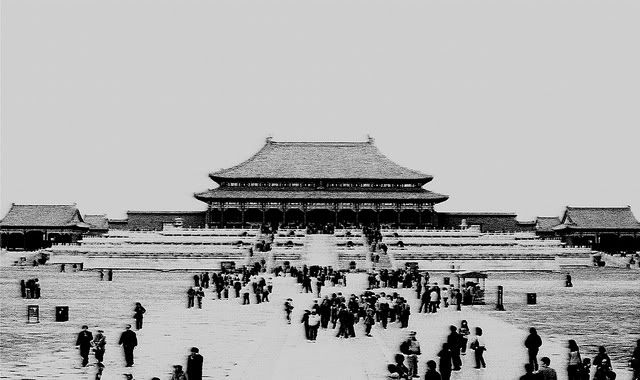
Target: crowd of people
[[30, 289]]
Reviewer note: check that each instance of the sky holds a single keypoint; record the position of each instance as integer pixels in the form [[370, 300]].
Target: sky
[[512, 106]]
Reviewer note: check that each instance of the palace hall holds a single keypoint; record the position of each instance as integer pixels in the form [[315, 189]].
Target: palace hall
[[317, 184]]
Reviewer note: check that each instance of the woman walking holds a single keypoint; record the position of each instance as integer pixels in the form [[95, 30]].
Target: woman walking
[[575, 361]]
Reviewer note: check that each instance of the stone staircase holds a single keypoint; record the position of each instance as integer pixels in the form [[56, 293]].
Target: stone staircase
[[320, 249]]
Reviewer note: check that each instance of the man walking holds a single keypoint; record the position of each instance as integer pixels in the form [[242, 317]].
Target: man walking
[[454, 341], [128, 341], [84, 342], [314, 324], [194, 364], [533, 343], [99, 344]]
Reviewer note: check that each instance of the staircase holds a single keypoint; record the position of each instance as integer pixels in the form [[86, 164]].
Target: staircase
[[321, 250]]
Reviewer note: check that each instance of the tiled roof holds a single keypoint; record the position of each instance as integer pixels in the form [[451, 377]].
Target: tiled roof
[[317, 160], [464, 213], [43, 216], [330, 195], [599, 218], [97, 222], [546, 223]]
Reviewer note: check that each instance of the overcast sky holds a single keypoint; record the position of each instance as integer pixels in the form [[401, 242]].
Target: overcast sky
[[522, 106]]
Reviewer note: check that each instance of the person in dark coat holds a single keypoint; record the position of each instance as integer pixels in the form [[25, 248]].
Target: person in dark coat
[[128, 341], [84, 342], [23, 289], [533, 343], [431, 373], [445, 362], [635, 361], [194, 364], [139, 311], [99, 344], [528, 375], [305, 321], [454, 340], [191, 293]]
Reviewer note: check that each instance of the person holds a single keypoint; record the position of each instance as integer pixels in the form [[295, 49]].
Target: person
[[464, 332], [424, 302], [602, 362], [199, 296], [128, 376], [100, 368], [128, 341], [454, 340], [431, 373], [568, 282], [194, 364], [584, 373], [575, 361], [314, 324], [635, 361], [84, 342], [458, 300], [533, 343], [138, 311], [528, 375], [99, 344], [411, 348], [23, 289], [178, 373], [101, 275], [400, 368], [479, 348], [288, 308], [369, 321], [305, 321], [545, 372], [191, 293], [445, 361], [433, 300]]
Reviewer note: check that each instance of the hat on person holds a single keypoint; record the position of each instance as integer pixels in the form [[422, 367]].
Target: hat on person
[[412, 333], [100, 331], [195, 349]]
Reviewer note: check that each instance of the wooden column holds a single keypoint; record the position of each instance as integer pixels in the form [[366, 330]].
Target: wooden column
[[419, 215], [398, 209], [356, 206], [335, 211], [377, 206], [242, 211], [264, 214], [207, 216], [284, 213], [304, 212], [221, 215]]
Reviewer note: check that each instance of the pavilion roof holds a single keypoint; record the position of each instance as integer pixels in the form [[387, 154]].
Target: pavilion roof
[[598, 218], [546, 223], [43, 216], [329, 195], [97, 222], [320, 160]]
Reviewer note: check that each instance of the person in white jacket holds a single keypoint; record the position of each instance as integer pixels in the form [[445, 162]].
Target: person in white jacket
[[314, 324]]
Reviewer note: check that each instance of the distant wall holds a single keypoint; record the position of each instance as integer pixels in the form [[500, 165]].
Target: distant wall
[[118, 224], [489, 222], [153, 220]]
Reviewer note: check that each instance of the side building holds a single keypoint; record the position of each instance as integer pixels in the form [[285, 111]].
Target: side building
[[298, 184], [31, 227]]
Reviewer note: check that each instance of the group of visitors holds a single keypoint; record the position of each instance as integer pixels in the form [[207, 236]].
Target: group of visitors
[[128, 340], [242, 284], [449, 356], [30, 289]]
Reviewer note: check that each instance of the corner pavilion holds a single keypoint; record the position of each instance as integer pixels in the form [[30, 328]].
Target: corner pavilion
[[316, 183]]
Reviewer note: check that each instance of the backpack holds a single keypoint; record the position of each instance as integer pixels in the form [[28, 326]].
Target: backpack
[[404, 347]]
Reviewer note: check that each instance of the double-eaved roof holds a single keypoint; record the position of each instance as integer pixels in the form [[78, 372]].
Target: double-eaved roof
[[598, 218], [43, 216], [320, 160]]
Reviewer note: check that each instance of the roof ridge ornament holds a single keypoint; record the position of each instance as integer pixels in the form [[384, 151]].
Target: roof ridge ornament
[[370, 139], [269, 139]]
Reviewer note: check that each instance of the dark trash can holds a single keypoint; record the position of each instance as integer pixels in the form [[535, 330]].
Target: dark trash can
[[531, 298], [352, 265], [62, 313], [447, 280]]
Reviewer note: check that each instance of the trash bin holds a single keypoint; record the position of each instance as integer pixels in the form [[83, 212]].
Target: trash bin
[[531, 298], [62, 313], [352, 265], [447, 280]]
